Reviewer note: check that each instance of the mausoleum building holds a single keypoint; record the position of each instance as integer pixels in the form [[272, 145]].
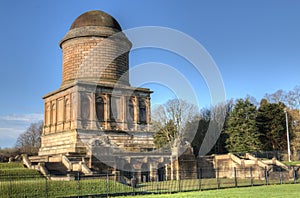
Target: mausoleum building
[[96, 121], [95, 96]]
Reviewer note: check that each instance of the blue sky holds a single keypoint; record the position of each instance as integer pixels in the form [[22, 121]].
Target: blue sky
[[255, 44]]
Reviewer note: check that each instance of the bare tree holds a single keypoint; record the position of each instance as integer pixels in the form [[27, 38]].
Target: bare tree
[[159, 116], [278, 96], [29, 141], [176, 110], [290, 98], [170, 119]]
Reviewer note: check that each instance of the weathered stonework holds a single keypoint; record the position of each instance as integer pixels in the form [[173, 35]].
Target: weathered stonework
[[95, 94], [95, 59]]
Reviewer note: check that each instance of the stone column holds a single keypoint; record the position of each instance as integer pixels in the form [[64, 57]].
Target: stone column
[[166, 172], [151, 172], [172, 168], [47, 118], [105, 109], [136, 113], [78, 112], [68, 113], [53, 116], [148, 113], [176, 166], [60, 109], [122, 111], [107, 120], [74, 110], [93, 117]]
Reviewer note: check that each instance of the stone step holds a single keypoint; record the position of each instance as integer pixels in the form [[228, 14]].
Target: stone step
[[75, 159], [74, 154], [56, 168]]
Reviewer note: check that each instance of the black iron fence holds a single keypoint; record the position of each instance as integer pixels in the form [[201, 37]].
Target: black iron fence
[[113, 185]]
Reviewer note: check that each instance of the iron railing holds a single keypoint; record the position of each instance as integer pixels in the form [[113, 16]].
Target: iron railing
[[106, 185]]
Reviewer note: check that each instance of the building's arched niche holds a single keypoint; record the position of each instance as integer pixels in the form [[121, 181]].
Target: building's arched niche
[[101, 167], [100, 108], [130, 114], [53, 111], [48, 115], [145, 173], [85, 109], [67, 110], [161, 173], [142, 111], [127, 171], [115, 108]]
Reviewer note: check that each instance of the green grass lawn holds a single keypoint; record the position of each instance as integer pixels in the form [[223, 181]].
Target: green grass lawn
[[12, 165], [37, 188], [293, 163], [17, 181], [287, 190], [16, 171]]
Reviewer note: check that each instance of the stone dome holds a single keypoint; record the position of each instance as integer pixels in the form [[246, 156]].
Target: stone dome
[[95, 50], [93, 23], [95, 18]]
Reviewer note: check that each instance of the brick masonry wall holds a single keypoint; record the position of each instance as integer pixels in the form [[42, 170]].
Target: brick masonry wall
[[95, 59]]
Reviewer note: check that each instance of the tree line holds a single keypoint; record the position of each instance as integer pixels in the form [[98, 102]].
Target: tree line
[[27, 142], [248, 125]]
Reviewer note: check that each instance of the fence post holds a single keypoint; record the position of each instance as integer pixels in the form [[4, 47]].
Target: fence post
[[295, 175], [133, 184], [266, 176], [106, 184], [119, 180], [46, 187], [179, 185], [218, 178], [235, 179], [10, 186], [157, 184], [78, 183], [200, 177], [280, 175], [251, 176]]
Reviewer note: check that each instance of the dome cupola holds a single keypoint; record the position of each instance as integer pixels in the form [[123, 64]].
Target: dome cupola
[[95, 50]]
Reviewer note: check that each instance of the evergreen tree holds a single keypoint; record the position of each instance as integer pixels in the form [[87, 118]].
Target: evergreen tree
[[220, 146], [199, 126], [271, 123], [243, 135], [197, 129], [165, 135]]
